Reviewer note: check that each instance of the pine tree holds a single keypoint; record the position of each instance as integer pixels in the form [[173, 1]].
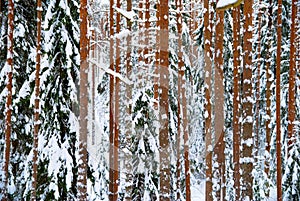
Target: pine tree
[[236, 102], [219, 148], [207, 69], [8, 108], [292, 79], [37, 100], [82, 166], [57, 164], [112, 193], [128, 154], [278, 100], [164, 144], [247, 124]]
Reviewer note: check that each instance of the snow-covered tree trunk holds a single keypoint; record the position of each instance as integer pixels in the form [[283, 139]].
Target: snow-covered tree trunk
[[111, 195], [292, 80], [278, 101], [164, 143], [219, 149], [236, 101], [37, 101], [83, 132], [207, 116], [8, 108], [247, 116], [128, 120], [268, 94]]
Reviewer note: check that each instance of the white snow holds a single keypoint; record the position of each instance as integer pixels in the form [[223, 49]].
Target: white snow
[[224, 3], [128, 14]]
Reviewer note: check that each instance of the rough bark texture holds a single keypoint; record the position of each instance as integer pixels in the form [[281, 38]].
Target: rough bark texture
[[157, 56], [208, 138], [117, 108], [37, 101], [247, 124], [164, 145], [112, 168], [258, 66], [292, 80], [179, 103], [219, 107], [128, 155], [236, 102], [8, 112], [268, 93], [278, 118], [82, 165]]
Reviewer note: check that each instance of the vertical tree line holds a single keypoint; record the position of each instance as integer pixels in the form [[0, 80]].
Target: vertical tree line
[[178, 96]]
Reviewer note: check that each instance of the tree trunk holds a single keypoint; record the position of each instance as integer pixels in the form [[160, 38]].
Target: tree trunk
[[258, 66], [128, 154], [278, 117], [179, 103], [112, 168], [117, 108], [292, 80], [37, 100], [164, 145], [219, 107], [82, 165], [157, 56], [208, 63], [236, 102], [8, 126], [268, 94], [247, 125]]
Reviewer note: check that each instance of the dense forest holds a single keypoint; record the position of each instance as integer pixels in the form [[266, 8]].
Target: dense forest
[[150, 100]]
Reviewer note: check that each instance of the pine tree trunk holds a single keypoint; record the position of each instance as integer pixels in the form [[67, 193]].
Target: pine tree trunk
[[292, 80], [219, 106], [247, 125], [37, 100], [117, 107], [236, 102], [278, 117], [128, 154], [179, 103], [112, 168], [8, 112], [157, 56], [208, 137], [164, 144], [257, 102], [82, 165], [268, 94]]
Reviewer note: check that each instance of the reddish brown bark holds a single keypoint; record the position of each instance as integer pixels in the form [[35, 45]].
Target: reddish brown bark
[[268, 94], [128, 155], [164, 144], [236, 102], [278, 118], [179, 85], [219, 107], [292, 80], [247, 125], [157, 56], [258, 66], [208, 63], [117, 109], [82, 166], [37, 100], [112, 168], [8, 113]]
